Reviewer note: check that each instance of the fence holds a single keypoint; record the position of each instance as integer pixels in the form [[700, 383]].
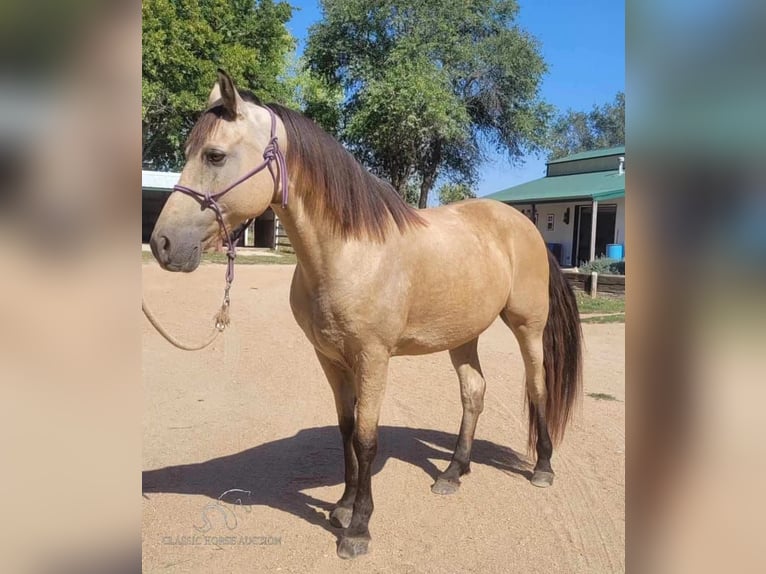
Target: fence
[[282, 242], [610, 284]]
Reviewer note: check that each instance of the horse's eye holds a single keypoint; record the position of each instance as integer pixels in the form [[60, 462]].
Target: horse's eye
[[216, 157]]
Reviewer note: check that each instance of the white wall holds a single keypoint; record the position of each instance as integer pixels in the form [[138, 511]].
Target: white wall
[[562, 233]]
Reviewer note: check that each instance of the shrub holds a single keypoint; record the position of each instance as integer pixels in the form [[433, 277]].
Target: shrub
[[603, 266]]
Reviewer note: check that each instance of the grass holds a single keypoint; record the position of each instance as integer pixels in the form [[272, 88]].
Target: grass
[[587, 304], [281, 259], [614, 318], [603, 397]]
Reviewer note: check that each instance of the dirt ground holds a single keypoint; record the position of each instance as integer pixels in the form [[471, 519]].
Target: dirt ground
[[242, 457]]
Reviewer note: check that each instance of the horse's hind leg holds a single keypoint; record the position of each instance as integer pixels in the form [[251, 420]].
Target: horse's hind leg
[[530, 337], [465, 359], [345, 397]]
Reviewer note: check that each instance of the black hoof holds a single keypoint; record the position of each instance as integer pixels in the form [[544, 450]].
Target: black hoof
[[340, 517], [353, 546], [542, 478], [444, 486]]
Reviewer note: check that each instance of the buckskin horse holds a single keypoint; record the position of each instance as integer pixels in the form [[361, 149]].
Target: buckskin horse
[[376, 278]]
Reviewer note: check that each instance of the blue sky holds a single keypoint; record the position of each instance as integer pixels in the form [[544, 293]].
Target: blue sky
[[583, 44]]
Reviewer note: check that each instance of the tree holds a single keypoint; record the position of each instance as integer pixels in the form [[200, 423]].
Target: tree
[[602, 127], [452, 192], [316, 98], [429, 85], [184, 42]]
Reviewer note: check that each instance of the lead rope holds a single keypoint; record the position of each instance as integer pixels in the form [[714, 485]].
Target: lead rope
[[221, 322]]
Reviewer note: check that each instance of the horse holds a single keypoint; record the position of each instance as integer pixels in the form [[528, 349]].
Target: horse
[[377, 278]]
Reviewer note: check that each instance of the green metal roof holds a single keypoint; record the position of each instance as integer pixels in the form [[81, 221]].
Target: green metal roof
[[601, 185], [619, 150]]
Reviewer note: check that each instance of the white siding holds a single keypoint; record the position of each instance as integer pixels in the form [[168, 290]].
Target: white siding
[[562, 232], [163, 180]]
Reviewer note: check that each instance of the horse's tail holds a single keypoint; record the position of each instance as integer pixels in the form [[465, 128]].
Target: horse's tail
[[562, 356]]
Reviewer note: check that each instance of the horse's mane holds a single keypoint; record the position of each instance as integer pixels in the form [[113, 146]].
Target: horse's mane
[[333, 185]]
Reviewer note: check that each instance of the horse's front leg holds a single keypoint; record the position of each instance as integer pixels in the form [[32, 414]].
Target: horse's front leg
[[343, 389], [370, 373]]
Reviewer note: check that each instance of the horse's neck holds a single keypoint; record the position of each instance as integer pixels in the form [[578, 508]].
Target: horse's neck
[[312, 241]]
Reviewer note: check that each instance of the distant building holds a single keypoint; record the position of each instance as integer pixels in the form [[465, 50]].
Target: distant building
[[156, 187], [576, 191]]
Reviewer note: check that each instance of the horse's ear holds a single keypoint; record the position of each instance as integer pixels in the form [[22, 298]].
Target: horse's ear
[[225, 91], [215, 95]]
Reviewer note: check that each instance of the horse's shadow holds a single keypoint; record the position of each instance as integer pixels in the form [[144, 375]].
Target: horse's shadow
[[275, 473]]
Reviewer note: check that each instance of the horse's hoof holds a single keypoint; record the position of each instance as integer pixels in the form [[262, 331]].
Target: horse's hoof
[[340, 517], [353, 546], [444, 486], [542, 478]]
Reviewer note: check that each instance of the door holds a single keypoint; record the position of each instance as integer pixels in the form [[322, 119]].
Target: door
[[260, 232], [605, 227], [264, 233]]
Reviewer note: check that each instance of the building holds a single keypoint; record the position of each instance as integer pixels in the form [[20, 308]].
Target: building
[[579, 206], [156, 187]]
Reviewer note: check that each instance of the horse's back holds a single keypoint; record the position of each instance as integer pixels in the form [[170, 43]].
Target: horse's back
[[478, 233], [490, 222]]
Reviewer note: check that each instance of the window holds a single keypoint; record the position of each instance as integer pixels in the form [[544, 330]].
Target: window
[[550, 222]]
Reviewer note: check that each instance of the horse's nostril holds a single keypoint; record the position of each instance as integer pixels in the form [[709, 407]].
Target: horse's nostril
[[160, 245], [164, 245]]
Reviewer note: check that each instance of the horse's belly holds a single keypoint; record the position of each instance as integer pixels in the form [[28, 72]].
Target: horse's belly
[[442, 330], [454, 298]]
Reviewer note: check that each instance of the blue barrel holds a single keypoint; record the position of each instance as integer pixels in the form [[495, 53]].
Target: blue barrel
[[615, 251]]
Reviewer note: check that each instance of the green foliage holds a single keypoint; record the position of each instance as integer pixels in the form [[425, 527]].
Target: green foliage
[[603, 266], [429, 85], [398, 115], [452, 192], [184, 42], [317, 98], [602, 127], [412, 193]]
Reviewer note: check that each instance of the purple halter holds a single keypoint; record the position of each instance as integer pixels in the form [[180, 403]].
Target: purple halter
[[271, 154]]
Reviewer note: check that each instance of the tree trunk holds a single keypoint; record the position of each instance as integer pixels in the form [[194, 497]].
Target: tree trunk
[[399, 178], [400, 185], [401, 188], [429, 172], [425, 187]]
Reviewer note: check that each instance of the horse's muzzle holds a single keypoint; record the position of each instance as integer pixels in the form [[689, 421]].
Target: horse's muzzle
[[175, 252]]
